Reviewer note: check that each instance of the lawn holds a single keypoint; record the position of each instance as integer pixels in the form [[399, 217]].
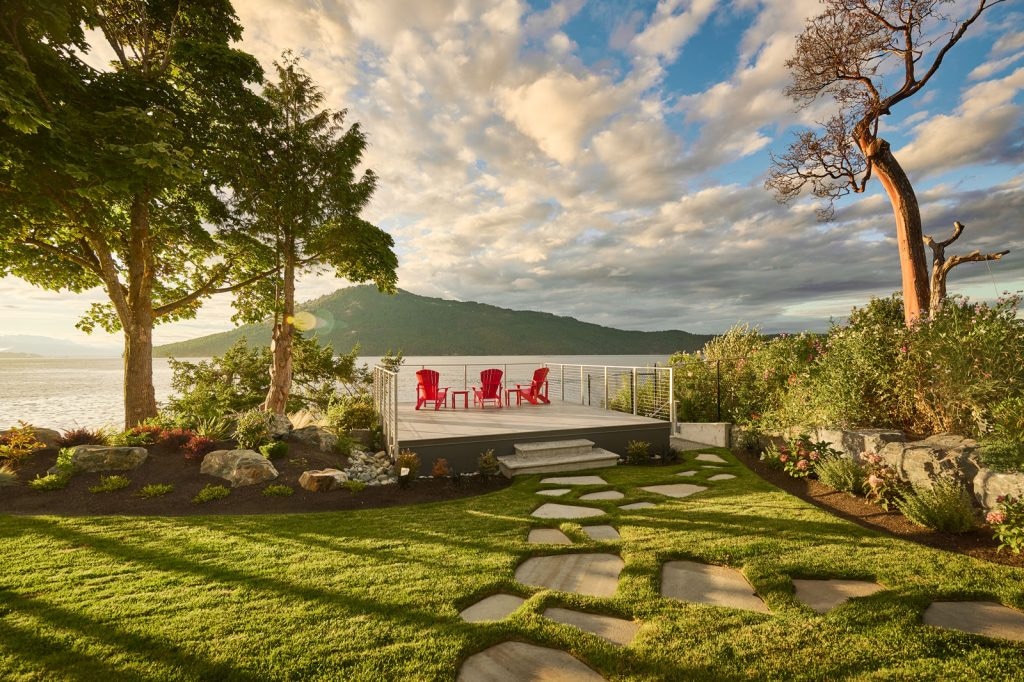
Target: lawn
[[375, 595]]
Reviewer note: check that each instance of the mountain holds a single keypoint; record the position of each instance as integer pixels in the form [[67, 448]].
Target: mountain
[[30, 345], [420, 325]]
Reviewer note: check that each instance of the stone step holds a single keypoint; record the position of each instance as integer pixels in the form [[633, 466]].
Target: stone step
[[554, 448], [517, 465]]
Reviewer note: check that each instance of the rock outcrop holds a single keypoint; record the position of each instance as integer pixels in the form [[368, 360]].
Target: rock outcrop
[[316, 436], [942, 454], [239, 467], [93, 458], [321, 480]]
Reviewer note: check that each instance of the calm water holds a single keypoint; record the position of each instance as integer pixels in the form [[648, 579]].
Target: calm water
[[63, 393]]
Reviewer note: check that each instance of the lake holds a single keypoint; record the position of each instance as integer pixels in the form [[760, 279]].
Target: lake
[[62, 393]]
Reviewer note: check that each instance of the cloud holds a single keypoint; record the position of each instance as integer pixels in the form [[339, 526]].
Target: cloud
[[670, 28]]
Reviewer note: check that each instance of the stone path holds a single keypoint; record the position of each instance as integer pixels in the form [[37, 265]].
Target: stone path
[[554, 492], [548, 536], [687, 473], [601, 532], [720, 477], [575, 480], [520, 661], [717, 585], [978, 617], [550, 510], [708, 457], [495, 607], [637, 505], [603, 495], [615, 630], [675, 489], [824, 595], [595, 575]]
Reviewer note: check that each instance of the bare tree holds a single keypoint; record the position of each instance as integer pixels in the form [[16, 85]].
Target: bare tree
[[942, 265], [852, 52]]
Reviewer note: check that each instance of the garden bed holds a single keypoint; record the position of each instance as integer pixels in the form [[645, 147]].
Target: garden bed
[[977, 543], [167, 466]]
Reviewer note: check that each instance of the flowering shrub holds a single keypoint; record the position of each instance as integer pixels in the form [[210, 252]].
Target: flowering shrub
[[944, 506], [1007, 522], [800, 456], [885, 487], [176, 438], [198, 447], [18, 443], [440, 468]]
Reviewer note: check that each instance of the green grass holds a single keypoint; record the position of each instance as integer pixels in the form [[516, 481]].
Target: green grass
[[375, 594]]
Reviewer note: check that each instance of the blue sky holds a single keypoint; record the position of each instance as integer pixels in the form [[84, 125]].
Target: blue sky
[[606, 160]]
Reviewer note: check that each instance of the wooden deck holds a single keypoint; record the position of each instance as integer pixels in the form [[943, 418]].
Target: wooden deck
[[460, 435]]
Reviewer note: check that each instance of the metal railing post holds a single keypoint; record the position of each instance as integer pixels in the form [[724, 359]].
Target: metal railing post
[[561, 379], [606, 405], [672, 399], [581, 384], [718, 389], [634, 390]]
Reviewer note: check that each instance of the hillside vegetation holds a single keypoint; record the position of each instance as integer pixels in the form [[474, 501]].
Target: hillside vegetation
[[420, 325]]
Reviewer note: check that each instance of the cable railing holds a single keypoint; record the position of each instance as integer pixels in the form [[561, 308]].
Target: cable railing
[[385, 402], [643, 391]]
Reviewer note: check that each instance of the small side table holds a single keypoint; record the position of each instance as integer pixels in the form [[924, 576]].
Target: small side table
[[465, 399], [508, 396]]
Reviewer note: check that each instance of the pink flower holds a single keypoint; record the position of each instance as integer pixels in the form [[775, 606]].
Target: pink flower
[[802, 464], [814, 456], [783, 458], [995, 517], [874, 481]]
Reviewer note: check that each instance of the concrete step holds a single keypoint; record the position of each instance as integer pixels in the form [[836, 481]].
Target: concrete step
[[554, 448], [595, 458]]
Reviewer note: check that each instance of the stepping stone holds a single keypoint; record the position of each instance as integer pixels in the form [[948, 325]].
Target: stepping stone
[[601, 532], [711, 466], [720, 477], [554, 492], [687, 473], [495, 607], [564, 511], [824, 595], [675, 489], [717, 585], [575, 480], [708, 457], [638, 505], [615, 630], [520, 661], [548, 536], [978, 617], [603, 495], [596, 575]]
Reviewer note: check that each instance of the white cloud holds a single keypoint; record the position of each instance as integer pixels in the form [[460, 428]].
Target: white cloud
[[671, 26]]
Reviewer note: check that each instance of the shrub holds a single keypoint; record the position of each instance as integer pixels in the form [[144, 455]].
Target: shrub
[[1002, 448], [109, 484], [487, 464], [351, 412], [252, 428], [407, 459], [638, 451], [213, 428], [885, 487], [211, 492], [841, 473], [19, 443], [82, 436], [198, 447], [1007, 521], [440, 468], [155, 490], [177, 437], [64, 460], [800, 456], [944, 506], [274, 449], [137, 436], [8, 476], [50, 481], [278, 490], [354, 486]]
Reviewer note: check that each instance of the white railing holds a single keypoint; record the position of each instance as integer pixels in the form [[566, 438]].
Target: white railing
[[644, 391], [385, 401]]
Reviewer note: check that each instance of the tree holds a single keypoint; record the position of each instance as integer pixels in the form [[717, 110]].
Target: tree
[[108, 174], [851, 52], [299, 201]]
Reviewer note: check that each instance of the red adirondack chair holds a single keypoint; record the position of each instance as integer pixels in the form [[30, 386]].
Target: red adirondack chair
[[491, 388], [537, 391], [427, 390]]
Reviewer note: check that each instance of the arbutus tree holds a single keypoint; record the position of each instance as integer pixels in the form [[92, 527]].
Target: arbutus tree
[[298, 199], [852, 52], [108, 175]]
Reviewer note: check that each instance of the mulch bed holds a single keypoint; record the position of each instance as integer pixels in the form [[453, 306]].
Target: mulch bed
[[165, 465], [978, 543]]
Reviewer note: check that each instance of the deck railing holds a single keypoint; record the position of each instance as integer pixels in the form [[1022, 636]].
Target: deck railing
[[644, 391], [385, 401]]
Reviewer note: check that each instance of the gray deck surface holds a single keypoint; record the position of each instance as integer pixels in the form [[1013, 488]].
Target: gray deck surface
[[428, 424]]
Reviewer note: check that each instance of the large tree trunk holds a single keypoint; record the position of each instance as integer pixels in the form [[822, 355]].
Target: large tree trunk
[[908, 226], [137, 318], [281, 344], [139, 396]]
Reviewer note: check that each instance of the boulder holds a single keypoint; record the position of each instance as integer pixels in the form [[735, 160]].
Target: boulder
[[988, 485], [239, 467], [280, 426], [92, 458], [854, 443], [921, 461], [316, 436], [321, 480]]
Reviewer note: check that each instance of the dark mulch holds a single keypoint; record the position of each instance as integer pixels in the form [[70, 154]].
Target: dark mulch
[[978, 543], [169, 466]]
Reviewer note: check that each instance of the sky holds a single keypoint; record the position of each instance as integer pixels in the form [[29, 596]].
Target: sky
[[606, 160]]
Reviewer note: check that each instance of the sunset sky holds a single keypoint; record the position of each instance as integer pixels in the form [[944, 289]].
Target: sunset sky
[[606, 160]]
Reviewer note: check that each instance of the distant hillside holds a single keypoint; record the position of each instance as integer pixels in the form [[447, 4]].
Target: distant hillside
[[18, 356], [419, 325], [31, 345]]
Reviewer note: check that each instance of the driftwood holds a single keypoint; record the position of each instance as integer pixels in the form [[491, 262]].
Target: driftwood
[[942, 265]]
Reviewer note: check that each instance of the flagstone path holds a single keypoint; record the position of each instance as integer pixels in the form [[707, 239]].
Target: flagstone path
[[675, 489], [618, 631], [720, 477], [495, 607], [824, 595], [637, 505], [575, 480], [595, 575], [687, 473], [520, 661], [548, 536], [550, 510], [978, 617], [717, 585], [601, 532], [708, 457], [554, 492], [603, 495]]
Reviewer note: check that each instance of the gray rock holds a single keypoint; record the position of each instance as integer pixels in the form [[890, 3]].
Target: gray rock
[[322, 479], [854, 443], [239, 467], [280, 426], [988, 485], [91, 458], [942, 454], [316, 436]]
